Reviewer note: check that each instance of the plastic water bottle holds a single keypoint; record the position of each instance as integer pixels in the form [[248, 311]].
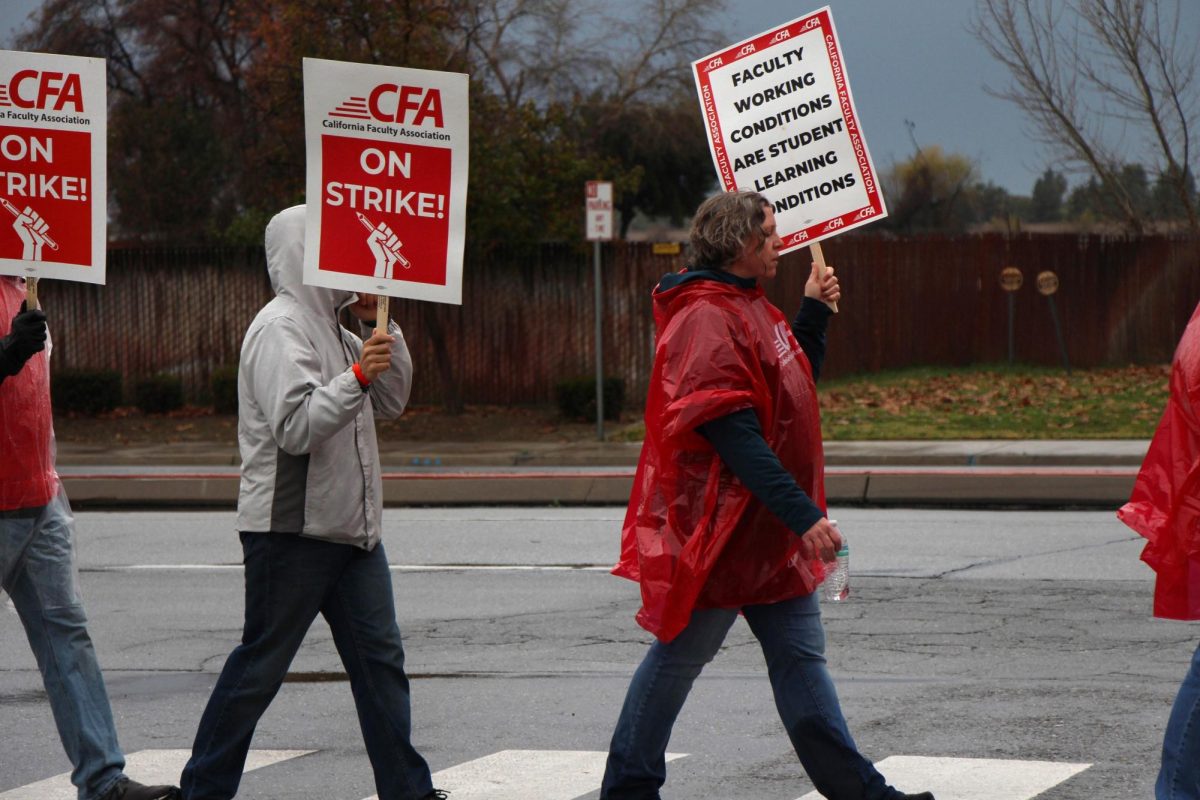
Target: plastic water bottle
[[836, 587]]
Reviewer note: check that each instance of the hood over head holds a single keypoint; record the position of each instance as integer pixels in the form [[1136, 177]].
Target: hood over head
[[285, 264]]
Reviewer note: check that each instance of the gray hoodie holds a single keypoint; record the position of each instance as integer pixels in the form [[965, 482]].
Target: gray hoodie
[[310, 462]]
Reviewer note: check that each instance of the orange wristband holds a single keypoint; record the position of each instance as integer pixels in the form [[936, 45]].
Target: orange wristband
[[358, 373]]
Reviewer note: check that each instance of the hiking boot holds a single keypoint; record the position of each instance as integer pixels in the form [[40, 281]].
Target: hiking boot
[[132, 790]]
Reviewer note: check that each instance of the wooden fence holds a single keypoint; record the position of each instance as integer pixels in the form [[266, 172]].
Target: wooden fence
[[527, 321]]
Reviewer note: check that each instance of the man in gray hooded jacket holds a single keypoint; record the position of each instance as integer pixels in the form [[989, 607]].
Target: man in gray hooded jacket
[[309, 516]]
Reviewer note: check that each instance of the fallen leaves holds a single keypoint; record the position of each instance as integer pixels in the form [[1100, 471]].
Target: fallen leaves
[[997, 402]]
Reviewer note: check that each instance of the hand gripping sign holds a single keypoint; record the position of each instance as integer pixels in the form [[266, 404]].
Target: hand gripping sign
[[53, 119], [387, 179], [781, 121]]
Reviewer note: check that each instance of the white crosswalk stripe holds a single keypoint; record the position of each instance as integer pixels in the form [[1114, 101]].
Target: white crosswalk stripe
[[973, 778], [147, 766], [521, 774], [570, 774]]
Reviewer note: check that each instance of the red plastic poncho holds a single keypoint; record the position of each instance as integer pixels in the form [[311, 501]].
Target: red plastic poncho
[[1165, 504], [27, 476], [694, 536]]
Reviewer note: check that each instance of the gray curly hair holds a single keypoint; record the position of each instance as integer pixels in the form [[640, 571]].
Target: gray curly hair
[[722, 226]]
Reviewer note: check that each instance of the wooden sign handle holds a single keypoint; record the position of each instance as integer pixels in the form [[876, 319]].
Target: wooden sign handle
[[381, 315], [31, 301], [819, 258]]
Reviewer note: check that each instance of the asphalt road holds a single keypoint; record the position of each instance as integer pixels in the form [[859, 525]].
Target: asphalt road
[[1006, 636]]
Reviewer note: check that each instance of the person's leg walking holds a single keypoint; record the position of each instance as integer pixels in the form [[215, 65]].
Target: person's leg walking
[[361, 612], [793, 642], [45, 591], [1179, 774], [286, 576], [636, 767]]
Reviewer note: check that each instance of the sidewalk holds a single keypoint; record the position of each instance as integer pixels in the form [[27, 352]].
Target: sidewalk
[[1096, 473]]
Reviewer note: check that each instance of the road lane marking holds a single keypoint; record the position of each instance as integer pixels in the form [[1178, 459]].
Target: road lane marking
[[570, 774], [146, 766], [973, 778], [522, 774], [392, 567]]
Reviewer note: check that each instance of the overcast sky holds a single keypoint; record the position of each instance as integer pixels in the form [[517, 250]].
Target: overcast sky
[[906, 59], [916, 60]]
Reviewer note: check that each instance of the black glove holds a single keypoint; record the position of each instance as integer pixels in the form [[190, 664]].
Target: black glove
[[28, 336]]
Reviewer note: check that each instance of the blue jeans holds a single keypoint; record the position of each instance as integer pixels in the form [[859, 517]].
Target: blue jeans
[[793, 641], [289, 579], [37, 568], [1179, 776]]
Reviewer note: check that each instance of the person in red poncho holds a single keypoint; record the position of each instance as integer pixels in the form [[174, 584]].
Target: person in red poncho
[[37, 560], [1165, 508], [727, 510]]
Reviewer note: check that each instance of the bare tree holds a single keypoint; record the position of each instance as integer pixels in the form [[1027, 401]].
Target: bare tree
[[1076, 64], [546, 51]]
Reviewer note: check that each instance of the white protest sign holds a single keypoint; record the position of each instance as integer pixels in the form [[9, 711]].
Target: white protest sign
[[599, 210], [386, 179], [781, 121], [53, 152]]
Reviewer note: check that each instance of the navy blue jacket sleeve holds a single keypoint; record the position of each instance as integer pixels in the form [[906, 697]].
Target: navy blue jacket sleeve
[[809, 329], [738, 440]]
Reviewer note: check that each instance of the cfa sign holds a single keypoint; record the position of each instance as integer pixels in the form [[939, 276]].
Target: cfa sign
[[53, 149], [387, 179], [599, 210]]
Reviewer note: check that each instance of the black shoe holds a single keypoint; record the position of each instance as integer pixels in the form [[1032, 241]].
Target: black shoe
[[132, 790], [921, 796], [436, 794]]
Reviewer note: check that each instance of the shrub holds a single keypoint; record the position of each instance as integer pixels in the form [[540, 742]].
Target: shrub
[[577, 398], [223, 384], [85, 391], [158, 394]]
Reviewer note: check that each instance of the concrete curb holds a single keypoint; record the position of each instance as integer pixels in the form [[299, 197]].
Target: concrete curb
[[592, 454], [937, 486]]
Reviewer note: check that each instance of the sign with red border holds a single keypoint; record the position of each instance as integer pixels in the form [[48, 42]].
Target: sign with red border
[[781, 121], [598, 206], [53, 151], [386, 179]]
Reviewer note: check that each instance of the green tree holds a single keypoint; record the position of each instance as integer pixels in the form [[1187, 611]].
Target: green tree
[[1094, 201], [562, 91], [1046, 202], [176, 76], [1164, 196], [661, 151], [932, 191]]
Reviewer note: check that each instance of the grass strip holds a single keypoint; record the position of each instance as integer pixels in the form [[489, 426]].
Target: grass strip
[[995, 402]]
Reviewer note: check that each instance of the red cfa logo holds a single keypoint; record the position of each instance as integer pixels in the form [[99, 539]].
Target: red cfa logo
[[52, 91], [387, 102], [711, 65], [747, 50]]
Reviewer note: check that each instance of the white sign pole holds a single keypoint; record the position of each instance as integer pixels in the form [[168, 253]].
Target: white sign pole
[[599, 210]]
